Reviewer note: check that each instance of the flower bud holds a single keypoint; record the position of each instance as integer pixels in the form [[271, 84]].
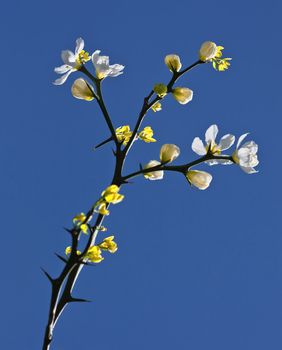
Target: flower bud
[[160, 89], [168, 153], [207, 51], [182, 95], [173, 63], [200, 179], [157, 107], [94, 254], [82, 90], [154, 175], [109, 244]]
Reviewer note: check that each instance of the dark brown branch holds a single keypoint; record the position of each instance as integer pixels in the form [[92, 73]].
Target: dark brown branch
[[178, 168]]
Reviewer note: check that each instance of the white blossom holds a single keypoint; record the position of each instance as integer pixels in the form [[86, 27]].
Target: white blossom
[[72, 61], [246, 155], [103, 67], [212, 147]]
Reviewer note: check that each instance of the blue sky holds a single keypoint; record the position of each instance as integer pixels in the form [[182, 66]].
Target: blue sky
[[195, 269]]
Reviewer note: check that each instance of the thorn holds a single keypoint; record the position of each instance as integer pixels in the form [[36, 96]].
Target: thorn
[[140, 167], [103, 142], [61, 258], [78, 300], [47, 275], [68, 230], [114, 152]]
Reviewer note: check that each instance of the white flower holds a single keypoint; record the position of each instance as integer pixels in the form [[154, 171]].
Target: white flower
[[182, 95], [154, 175], [169, 152], [207, 51], [200, 179], [246, 155], [211, 147], [82, 90], [72, 61], [103, 67]]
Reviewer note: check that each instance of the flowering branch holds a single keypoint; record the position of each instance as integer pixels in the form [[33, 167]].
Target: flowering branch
[[178, 168], [211, 153], [147, 105]]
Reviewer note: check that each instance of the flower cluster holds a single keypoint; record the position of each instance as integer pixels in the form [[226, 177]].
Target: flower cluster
[[111, 195], [94, 253], [124, 134], [79, 222], [146, 135], [75, 61], [245, 156]]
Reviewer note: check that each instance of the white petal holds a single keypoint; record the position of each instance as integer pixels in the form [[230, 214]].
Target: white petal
[[63, 78], [103, 61], [68, 57], [116, 69], [226, 142], [219, 161], [95, 57], [241, 138], [198, 146], [252, 146], [79, 45], [62, 69], [248, 170], [224, 161], [211, 134]]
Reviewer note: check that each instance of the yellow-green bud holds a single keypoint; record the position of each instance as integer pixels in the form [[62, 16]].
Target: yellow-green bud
[[160, 89]]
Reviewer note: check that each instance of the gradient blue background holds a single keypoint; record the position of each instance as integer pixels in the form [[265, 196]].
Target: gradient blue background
[[195, 269]]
